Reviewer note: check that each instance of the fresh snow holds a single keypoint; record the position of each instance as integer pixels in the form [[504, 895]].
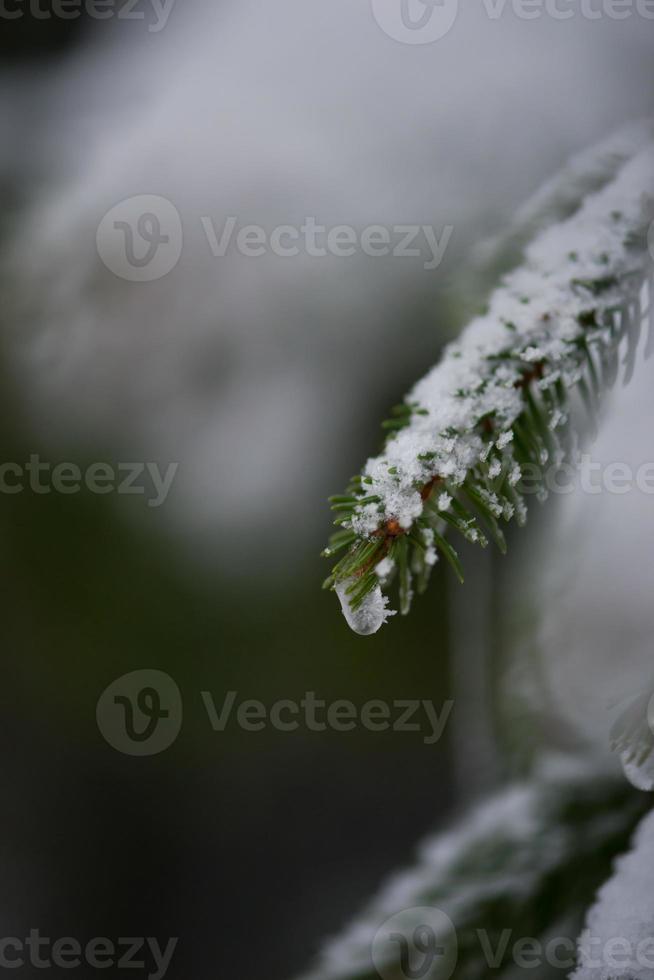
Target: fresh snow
[[618, 941], [532, 317]]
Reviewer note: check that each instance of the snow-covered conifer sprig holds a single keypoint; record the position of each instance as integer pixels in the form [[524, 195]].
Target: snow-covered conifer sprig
[[499, 399]]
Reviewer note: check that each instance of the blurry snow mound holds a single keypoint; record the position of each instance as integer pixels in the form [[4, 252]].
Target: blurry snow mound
[[250, 371], [617, 943]]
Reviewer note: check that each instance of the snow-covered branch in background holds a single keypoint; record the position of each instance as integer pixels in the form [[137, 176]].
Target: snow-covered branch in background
[[554, 834], [558, 198], [499, 400]]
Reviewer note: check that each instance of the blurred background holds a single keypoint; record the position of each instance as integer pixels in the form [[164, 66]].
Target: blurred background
[[264, 379]]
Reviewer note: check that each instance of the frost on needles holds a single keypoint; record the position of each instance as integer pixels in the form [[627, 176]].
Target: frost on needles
[[500, 399]]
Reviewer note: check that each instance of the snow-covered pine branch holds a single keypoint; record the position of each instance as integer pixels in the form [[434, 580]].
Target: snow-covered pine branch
[[499, 400]]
